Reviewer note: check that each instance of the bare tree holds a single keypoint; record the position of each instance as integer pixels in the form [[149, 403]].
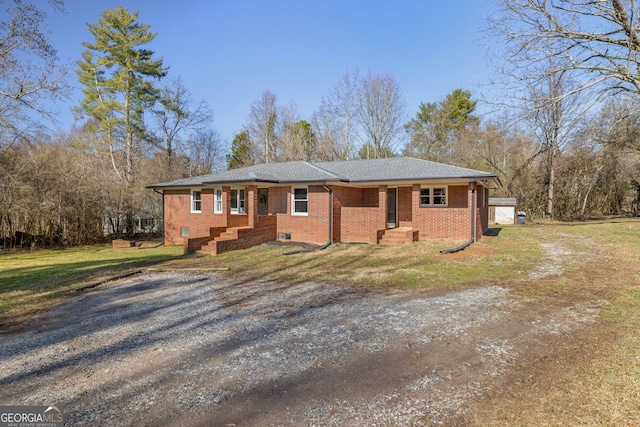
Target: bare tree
[[178, 113], [620, 121], [29, 69], [49, 195], [560, 57], [381, 112], [205, 152], [328, 136], [508, 151], [335, 120], [598, 42], [264, 115], [548, 116], [594, 177]]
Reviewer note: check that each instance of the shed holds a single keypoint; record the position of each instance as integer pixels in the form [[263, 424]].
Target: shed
[[502, 210]]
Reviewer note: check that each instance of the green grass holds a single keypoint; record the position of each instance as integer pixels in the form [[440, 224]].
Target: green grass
[[593, 381], [510, 255], [30, 281], [33, 279]]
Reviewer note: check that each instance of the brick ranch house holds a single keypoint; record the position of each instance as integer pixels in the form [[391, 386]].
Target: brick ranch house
[[392, 200]]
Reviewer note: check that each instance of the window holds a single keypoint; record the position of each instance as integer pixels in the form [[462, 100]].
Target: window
[[196, 201], [237, 202], [425, 196], [300, 201], [439, 196], [217, 201], [433, 196]]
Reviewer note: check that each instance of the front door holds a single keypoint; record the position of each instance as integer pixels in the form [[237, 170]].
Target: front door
[[263, 201], [392, 216]]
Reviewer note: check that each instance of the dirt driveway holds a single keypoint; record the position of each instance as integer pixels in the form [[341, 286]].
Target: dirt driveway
[[199, 349]]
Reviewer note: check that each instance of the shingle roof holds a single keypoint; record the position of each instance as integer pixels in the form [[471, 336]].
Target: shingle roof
[[354, 171], [398, 169], [502, 201]]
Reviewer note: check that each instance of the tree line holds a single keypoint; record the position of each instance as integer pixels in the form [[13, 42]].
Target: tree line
[[565, 146]]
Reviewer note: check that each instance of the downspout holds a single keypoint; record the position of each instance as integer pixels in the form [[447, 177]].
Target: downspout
[[473, 224], [325, 245]]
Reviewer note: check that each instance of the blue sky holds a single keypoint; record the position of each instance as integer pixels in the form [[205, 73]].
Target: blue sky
[[229, 52]]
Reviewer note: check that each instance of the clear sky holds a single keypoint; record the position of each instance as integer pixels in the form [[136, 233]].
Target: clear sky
[[228, 52]]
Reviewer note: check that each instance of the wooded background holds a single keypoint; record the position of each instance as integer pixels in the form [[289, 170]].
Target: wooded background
[[564, 142]]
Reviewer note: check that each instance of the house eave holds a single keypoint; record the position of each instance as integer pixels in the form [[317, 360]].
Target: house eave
[[489, 181]]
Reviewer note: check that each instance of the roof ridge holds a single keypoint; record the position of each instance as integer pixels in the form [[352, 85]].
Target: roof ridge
[[318, 168]]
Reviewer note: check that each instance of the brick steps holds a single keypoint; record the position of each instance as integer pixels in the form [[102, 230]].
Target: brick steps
[[230, 235], [234, 238], [399, 236]]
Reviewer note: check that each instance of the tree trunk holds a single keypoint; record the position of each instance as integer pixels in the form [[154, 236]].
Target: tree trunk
[[591, 185], [552, 180], [128, 141]]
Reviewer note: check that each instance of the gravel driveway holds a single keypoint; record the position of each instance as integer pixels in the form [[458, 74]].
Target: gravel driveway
[[200, 349]]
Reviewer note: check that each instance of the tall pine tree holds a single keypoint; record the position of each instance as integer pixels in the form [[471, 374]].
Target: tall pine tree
[[117, 75], [240, 151], [116, 72], [435, 127]]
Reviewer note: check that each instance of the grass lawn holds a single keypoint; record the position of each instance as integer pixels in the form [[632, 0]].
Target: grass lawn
[[32, 281], [512, 252]]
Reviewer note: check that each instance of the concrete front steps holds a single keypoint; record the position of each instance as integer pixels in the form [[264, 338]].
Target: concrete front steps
[[399, 236]]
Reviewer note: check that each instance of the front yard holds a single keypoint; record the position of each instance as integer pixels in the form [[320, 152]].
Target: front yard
[[549, 335]]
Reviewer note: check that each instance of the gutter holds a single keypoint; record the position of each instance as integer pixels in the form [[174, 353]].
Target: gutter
[[473, 225], [328, 243]]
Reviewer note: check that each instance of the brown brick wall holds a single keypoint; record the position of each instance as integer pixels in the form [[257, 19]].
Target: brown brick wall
[[279, 200], [361, 225], [370, 198], [352, 222], [451, 222], [348, 196], [177, 214], [312, 228], [405, 211], [358, 223]]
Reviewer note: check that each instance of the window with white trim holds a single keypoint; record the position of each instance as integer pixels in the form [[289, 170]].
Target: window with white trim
[[300, 201], [237, 202], [433, 196], [196, 201], [217, 201]]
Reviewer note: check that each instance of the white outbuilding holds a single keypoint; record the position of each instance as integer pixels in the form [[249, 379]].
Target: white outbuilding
[[502, 210]]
